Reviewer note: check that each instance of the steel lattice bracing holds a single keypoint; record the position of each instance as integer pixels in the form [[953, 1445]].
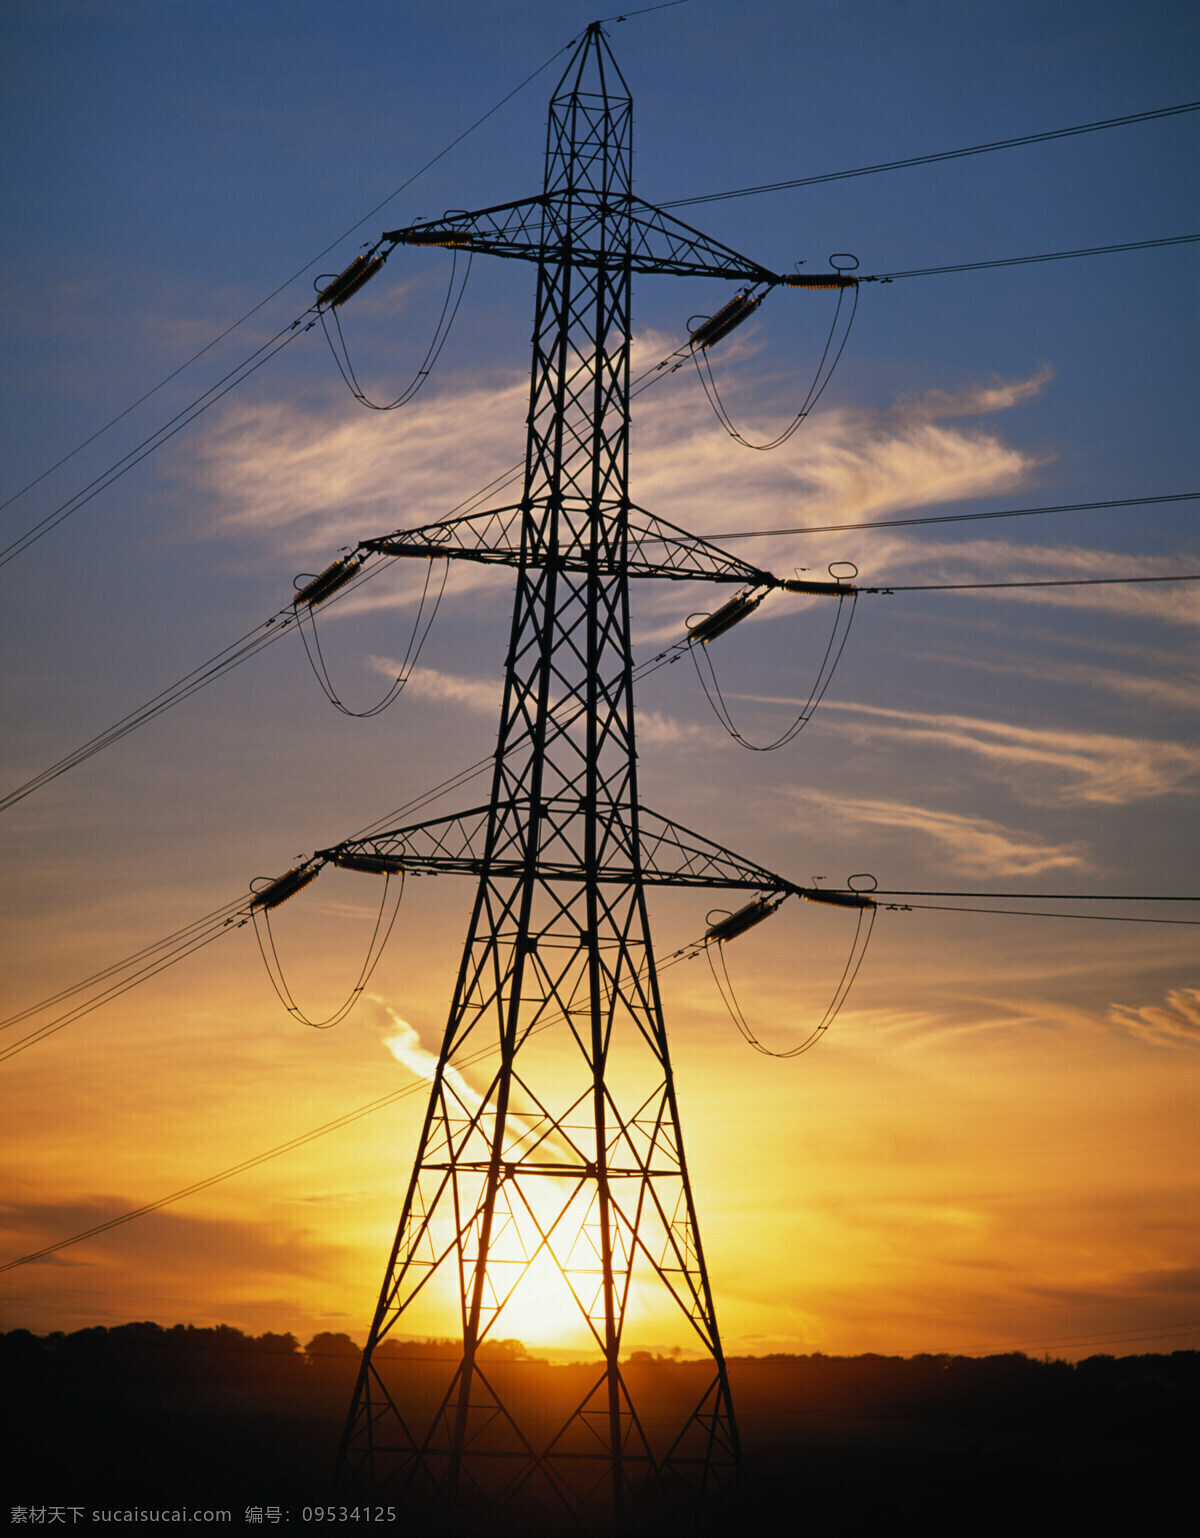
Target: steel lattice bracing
[[566, 1170]]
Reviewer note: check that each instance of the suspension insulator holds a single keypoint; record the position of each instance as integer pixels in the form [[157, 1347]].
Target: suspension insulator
[[724, 618], [372, 864], [739, 308], [839, 899], [799, 585], [327, 582], [745, 918], [285, 886], [820, 280], [452, 238], [361, 270]]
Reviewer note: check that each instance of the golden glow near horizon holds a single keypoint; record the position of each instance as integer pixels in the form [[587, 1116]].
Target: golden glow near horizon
[[995, 1145]]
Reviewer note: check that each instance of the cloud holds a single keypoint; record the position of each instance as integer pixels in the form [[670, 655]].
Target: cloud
[[1169, 693], [170, 1243], [1059, 766], [524, 1129], [405, 1046], [484, 697], [976, 846], [328, 473], [1001, 560], [974, 400], [1175, 1022], [845, 464], [653, 726]]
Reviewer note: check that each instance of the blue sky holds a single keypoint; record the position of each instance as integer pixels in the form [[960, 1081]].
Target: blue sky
[[997, 1145]]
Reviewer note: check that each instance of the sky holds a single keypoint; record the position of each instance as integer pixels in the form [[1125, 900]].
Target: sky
[[995, 1146]]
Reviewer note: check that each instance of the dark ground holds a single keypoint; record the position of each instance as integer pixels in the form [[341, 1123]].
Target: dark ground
[[140, 1417]]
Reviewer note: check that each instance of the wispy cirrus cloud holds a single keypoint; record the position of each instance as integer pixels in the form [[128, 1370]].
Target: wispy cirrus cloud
[[404, 1043], [975, 846], [1057, 765], [522, 1127], [484, 696], [1000, 560], [330, 473], [1175, 1022], [846, 462], [975, 400], [1178, 691]]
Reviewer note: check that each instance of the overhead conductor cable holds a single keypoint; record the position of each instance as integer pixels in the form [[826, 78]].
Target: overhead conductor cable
[[743, 305], [710, 626], [753, 913]]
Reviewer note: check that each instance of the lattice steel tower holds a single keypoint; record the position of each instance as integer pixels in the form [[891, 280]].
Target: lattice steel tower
[[567, 1169]]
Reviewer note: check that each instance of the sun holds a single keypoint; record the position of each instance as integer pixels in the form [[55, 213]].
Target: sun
[[542, 1310]]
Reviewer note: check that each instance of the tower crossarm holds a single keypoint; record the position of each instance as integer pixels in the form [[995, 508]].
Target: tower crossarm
[[576, 226], [672, 855], [652, 548], [667, 854]]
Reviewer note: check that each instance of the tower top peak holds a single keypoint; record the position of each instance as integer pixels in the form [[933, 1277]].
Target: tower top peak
[[592, 70]]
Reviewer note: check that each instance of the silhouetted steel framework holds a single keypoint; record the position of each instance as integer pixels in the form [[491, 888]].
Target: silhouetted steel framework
[[567, 1170]]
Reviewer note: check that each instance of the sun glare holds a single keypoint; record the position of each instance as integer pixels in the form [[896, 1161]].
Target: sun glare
[[542, 1310]]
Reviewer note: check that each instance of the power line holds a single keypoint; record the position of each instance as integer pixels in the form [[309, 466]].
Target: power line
[[202, 1185], [946, 587], [218, 915], [153, 959], [1121, 1338], [1043, 256], [665, 5], [270, 630], [287, 282], [1074, 897], [160, 954], [263, 634], [1033, 913], [1008, 512], [243, 370], [924, 160], [676, 203], [684, 953], [154, 389], [156, 439], [225, 661]]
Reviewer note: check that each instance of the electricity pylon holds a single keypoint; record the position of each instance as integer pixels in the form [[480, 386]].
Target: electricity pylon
[[567, 1169]]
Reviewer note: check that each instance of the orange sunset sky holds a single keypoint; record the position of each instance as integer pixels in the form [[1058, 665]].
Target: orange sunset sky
[[995, 1146]]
